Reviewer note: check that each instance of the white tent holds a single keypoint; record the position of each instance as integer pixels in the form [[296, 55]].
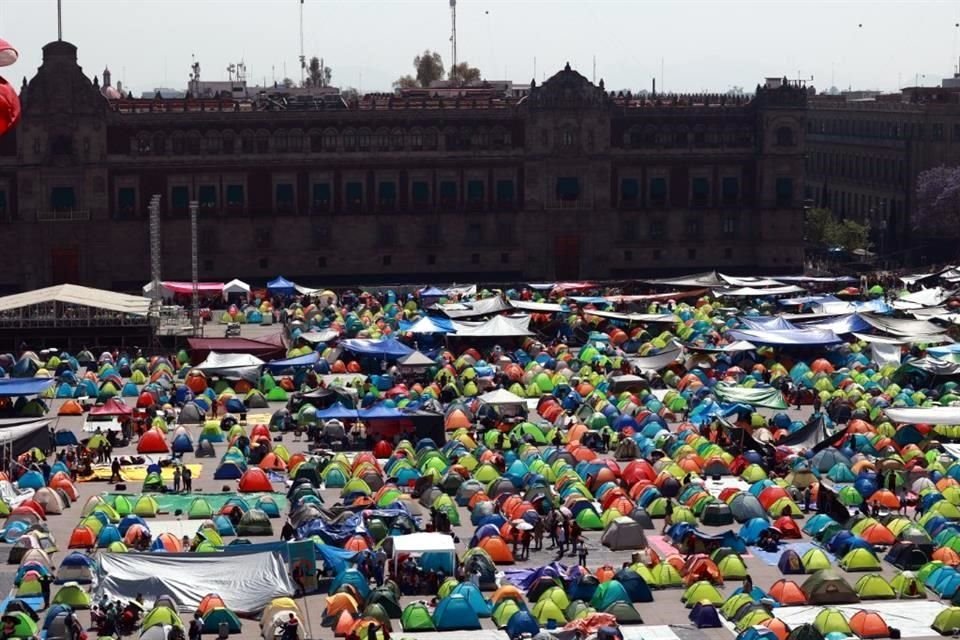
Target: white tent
[[232, 366], [421, 543], [508, 403], [495, 327], [236, 287]]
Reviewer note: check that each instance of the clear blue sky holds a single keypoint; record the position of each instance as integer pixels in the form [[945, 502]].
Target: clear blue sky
[[712, 44]]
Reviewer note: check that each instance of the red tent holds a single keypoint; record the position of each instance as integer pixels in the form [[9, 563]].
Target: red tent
[[153, 442], [255, 479], [112, 407]]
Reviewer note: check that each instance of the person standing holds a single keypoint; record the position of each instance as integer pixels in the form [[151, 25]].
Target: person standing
[[187, 479], [196, 627], [176, 479]]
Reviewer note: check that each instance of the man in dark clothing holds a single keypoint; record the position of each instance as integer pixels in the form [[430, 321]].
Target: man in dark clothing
[[187, 479], [115, 470], [196, 627]]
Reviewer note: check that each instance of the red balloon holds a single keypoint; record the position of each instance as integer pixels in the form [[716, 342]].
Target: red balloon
[[9, 106]]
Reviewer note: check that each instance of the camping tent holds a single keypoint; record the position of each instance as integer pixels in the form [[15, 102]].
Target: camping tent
[[438, 545], [624, 533]]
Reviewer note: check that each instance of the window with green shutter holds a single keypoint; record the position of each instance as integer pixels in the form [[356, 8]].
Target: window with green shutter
[[448, 193], [784, 192], [63, 199], [126, 202], [207, 197], [730, 187], [387, 195], [420, 192], [629, 191], [505, 193], [284, 197], [354, 195], [568, 189], [179, 199], [658, 191], [235, 196], [475, 193], [700, 191], [321, 197]]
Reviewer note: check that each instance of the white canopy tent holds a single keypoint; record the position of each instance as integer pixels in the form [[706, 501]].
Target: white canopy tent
[[236, 287], [421, 543], [508, 403]]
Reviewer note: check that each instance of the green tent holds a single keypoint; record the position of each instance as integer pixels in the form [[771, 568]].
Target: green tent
[[546, 610], [589, 520], [607, 593], [146, 507], [700, 591], [874, 587], [215, 617], [416, 617], [907, 585], [24, 626], [501, 613], [732, 567], [831, 620], [277, 394], [624, 612], [814, 560], [161, 615], [947, 621], [665, 575], [73, 595], [199, 509], [860, 560]]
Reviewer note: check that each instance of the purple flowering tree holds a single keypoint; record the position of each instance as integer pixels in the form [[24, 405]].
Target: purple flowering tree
[[938, 201]]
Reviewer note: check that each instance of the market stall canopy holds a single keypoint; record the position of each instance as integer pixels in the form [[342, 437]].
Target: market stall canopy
[[708, 279], [758, 292], [281, 286], [657, 361], [415, 359], [484, 307], [795, 337], [537, 307], [236, 287], [502, 397], [15, 387], [841, 325], [768, 397], [232, 366], [385, 348], [80, 296], [428, 325], [902, 327], [317, 337], [924, 415], [495, 327], [307, 360], [422, 543], [248, 581]]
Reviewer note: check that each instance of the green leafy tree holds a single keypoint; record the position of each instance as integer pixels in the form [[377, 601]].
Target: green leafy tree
[[822, 228], [463, 73], [405, 82], [429, 67], [317, 75]]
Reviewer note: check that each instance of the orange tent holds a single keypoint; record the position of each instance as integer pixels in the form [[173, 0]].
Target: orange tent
[[507, 591], [947, 556], [456, 419], [70, 408], [209, 602], [497, 549], [169, 542], [605, 573], [788, 593], [340, 602], [61, 480], [700, 567], [576, 432], [877, 534], [272, 462], [869, 624], [82, 538], [778, 626], [788, 527], [356, 543], [885, 498], [134, 532], [344, 624]]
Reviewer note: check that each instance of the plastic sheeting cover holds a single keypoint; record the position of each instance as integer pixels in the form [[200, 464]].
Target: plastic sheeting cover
[[248, 582], [756, 396], [926, 415]]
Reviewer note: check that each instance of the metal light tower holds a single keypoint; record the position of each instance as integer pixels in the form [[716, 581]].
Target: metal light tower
[[195, 275], [453, 32], [154, 209], [303, 57]]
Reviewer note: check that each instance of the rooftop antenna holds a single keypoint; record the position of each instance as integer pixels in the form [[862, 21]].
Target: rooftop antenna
[[453, 31], [303, 58], [59, 20]]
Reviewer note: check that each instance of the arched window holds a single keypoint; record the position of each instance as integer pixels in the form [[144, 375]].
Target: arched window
[[229, 142], [159, 144], [194, 143], [214, 142], [330, 140], [785, 137], [349, 140], [295, 140]]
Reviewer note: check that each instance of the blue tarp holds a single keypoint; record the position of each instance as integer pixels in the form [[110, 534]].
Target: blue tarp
[[380, 412], [24, 386], [281, 285], [337, 411], [427, 325], [386, 348], [841, 324], [797, 337], [289, 363], [767, 323]]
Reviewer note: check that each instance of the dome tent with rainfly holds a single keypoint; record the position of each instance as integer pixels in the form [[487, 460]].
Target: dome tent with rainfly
[[254, 523], [255, 479], [815, 559], [859, 560], [873, 586], [416, 617], [153, 441], [828, 587], [454, 613], [73, 595], [215, 617]]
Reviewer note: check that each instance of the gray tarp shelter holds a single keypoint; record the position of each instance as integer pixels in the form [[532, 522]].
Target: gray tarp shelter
[[232, 366]]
